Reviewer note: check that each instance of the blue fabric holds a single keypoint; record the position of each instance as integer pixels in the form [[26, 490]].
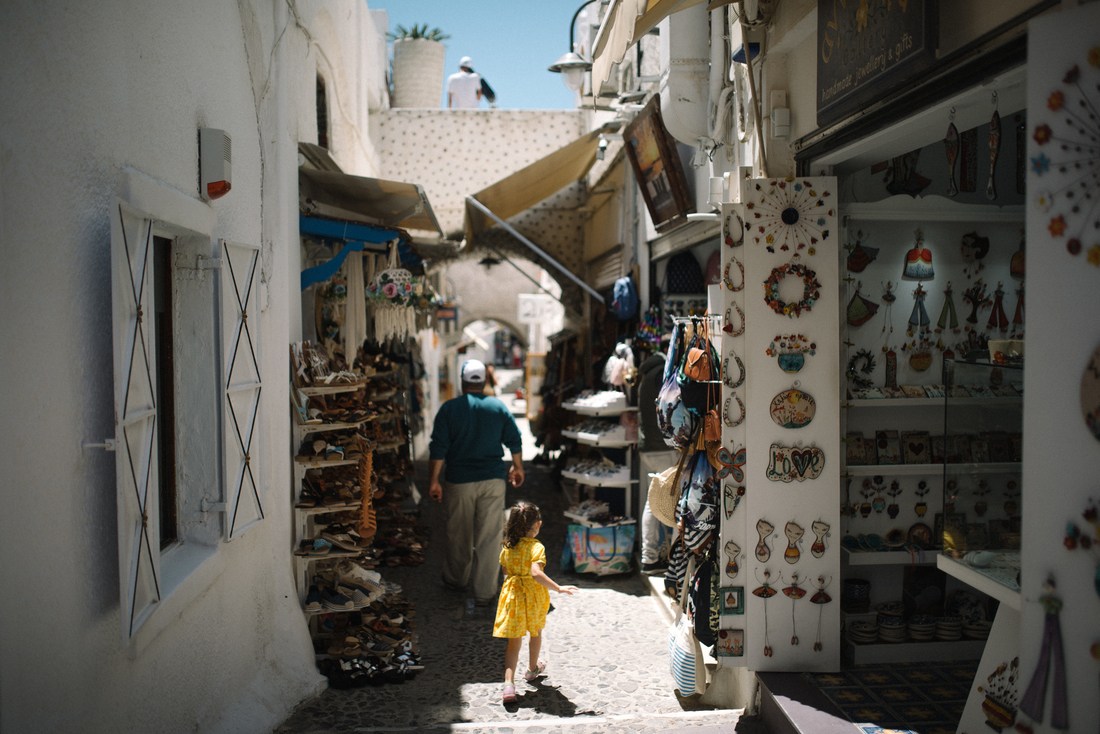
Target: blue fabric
[[468, 434]]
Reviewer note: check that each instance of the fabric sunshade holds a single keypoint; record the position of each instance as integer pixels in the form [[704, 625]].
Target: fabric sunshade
[[528, 186], [624, 24], [370, 200]]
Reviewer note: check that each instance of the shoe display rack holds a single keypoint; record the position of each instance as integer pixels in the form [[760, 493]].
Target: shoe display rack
[[603, 428], [351, 451]]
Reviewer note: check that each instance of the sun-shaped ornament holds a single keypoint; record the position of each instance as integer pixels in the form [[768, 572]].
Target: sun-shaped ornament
[[789, 214], [1067, 162]]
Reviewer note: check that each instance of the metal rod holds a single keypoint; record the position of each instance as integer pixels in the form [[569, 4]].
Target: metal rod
[[519, 236]]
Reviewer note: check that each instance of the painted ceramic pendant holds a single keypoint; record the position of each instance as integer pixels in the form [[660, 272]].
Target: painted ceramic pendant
[[794, 533], [793, 408], [763, 529], [918, 261], [794, 463], [794, 592], [859, 256], [821, 530], [951, 148], [733, 552], [1090, 395], [821, 598], [994, 151], [860, 309], [790, 351], [731, 498]]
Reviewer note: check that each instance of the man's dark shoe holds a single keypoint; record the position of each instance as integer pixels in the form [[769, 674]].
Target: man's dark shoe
[[652, 569]]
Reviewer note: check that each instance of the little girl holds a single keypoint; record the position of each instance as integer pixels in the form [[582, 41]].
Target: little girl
[[524, 599]]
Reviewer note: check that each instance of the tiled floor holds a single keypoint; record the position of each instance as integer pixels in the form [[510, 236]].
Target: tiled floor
[[924, 698]]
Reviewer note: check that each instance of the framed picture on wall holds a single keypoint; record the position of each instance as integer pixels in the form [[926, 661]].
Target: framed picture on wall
[[657, 167], [731, 643], [733, 599]]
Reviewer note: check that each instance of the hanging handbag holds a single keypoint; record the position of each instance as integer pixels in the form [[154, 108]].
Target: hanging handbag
[[698, 509], [664, 492], [676, 423], [698, 361], [684, 652]]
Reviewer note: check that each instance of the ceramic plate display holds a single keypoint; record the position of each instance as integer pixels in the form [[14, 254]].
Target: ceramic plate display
[[920, 535], [793, 408], [794, 463]]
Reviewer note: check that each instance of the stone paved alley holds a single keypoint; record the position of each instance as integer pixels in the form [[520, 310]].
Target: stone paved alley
[[605, 646]]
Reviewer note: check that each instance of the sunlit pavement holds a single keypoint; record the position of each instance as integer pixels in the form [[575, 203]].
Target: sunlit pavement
[[605, 647]]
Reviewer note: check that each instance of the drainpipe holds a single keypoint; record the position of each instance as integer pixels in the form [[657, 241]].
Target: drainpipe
[[685, 103]]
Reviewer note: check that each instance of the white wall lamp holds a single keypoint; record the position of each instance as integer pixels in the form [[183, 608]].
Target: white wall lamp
[[570, 65], [215, 163]]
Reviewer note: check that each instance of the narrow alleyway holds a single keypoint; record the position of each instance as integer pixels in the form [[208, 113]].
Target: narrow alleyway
[[605, 646]]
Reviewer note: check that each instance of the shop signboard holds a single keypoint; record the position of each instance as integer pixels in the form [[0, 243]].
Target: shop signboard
[[865, 50]]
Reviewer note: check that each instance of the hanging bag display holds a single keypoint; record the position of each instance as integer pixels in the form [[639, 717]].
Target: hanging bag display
[[676, 423], [664, 492], [697, 370], [698, 510], [685, 655]]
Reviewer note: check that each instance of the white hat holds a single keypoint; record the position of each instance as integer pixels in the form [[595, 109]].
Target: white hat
[[472, 371], [466, 61]]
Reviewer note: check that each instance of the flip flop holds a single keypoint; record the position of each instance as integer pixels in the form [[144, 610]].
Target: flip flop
[[538, 672]]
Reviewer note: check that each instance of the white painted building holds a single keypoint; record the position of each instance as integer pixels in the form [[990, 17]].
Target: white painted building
[[111, 623]]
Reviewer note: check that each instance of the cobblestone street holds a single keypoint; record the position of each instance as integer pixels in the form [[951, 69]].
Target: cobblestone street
[[605, 649]]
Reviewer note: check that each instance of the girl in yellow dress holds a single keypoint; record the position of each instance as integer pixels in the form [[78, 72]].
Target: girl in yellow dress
[[524, 599]]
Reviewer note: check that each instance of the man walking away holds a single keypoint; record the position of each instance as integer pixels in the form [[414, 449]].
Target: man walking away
[[467, 437]]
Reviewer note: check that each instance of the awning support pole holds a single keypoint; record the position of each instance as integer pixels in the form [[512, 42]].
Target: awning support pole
[[541, 253], [538, 285]]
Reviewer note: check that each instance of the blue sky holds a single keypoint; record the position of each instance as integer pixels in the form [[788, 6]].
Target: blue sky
[[511, 42]]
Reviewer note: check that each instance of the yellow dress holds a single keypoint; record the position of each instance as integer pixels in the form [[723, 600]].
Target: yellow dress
[[523, 602]]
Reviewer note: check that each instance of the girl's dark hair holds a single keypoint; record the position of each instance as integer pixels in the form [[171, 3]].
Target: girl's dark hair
[[521, 519]]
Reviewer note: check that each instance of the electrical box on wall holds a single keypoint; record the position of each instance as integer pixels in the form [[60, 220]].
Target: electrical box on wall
[[215, 163]]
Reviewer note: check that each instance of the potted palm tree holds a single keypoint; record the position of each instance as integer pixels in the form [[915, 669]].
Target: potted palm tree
[[418, 54]]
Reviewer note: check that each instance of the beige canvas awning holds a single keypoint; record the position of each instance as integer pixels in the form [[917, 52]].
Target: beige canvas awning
[[371, 200], [625, 22], [530, 185]]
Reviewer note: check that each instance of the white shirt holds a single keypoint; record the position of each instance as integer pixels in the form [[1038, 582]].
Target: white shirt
[[462, 89]]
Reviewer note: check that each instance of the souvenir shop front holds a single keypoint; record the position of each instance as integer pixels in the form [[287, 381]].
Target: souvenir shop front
[[358, 398], [964, 469]]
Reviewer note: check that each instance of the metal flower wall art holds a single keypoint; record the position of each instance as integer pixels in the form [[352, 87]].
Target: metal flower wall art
[[789, 215], [1065, 166]]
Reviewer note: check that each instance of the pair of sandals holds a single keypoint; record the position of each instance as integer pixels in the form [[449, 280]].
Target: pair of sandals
[[533, 674]]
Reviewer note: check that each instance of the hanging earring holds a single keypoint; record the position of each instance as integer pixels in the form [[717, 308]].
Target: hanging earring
[[821, 598], [951, 148], [949, 319], [998, 319], [994, 149], [765, 592], [794, 592]]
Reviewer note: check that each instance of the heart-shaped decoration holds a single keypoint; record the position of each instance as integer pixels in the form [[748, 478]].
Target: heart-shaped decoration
[[916, 448], [791, 463]]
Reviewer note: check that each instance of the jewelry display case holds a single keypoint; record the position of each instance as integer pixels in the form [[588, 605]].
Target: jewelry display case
[[980, 524]]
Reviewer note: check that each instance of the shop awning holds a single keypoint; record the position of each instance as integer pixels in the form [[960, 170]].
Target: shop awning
[[325, 190], [625, 22], [374, 200], [347, 237], [528, 186]]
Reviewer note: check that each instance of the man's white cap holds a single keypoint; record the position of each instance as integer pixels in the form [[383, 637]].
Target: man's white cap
[[466, 61], [473, 371]]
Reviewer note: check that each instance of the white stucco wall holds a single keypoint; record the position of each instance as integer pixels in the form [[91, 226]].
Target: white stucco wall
[[89, 94]]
